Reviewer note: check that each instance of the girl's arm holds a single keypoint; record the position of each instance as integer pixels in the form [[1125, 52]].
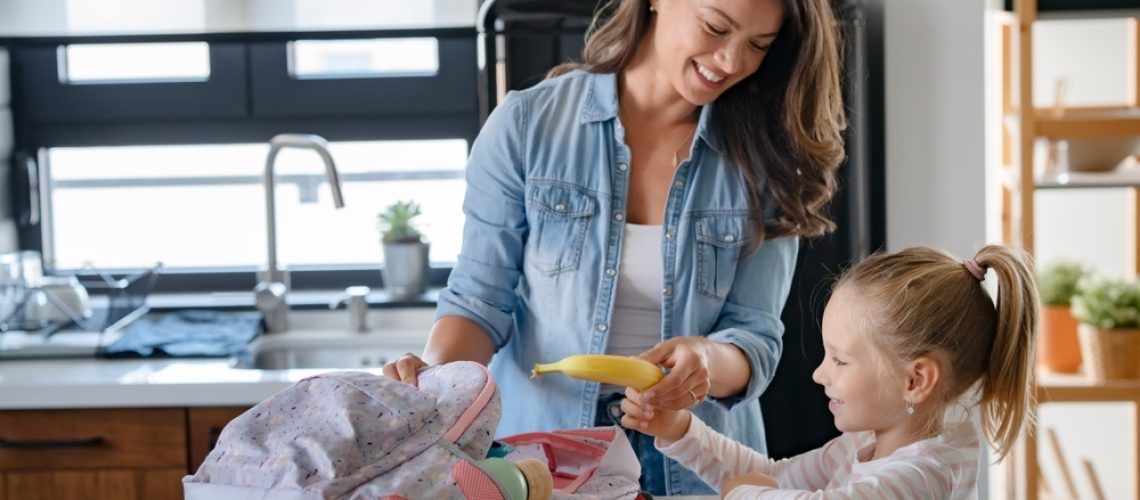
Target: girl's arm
[[717, 459], [899, 480]]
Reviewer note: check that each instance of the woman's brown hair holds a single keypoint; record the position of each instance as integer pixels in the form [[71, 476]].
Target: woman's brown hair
[[787, 116], [923, 302]]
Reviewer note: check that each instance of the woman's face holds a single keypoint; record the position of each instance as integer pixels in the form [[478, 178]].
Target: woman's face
[[707, 46]]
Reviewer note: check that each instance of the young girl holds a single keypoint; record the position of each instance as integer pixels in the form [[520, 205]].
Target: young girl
[[906, 335]]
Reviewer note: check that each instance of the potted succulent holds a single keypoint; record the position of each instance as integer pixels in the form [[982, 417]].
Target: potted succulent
[[1058, 349], [405, 270], [1109, 312]]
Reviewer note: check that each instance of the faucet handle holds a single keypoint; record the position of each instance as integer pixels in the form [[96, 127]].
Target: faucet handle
[[357, 299]]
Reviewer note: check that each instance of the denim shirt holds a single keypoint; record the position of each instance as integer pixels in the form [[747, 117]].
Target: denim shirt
[[547, 192]]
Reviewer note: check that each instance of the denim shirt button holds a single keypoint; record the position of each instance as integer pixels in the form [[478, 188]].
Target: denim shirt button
[[679, 184], [729, 238], [667, 291], [670, 235], [623, 167], [610, 272], [619, 217], [601, 327], [561, 207]]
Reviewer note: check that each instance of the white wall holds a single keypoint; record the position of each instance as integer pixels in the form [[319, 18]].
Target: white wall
[[935, 142], [8, 241]]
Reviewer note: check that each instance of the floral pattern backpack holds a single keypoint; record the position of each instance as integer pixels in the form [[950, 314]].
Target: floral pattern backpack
[[356, 435]]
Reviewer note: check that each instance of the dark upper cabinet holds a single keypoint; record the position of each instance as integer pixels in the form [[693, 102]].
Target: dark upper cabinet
[[44, 99], [449, 92]]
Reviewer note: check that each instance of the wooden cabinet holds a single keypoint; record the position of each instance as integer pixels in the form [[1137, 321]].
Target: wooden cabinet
[[205, 426], [104, 453], [1024, 124], [150, 484]]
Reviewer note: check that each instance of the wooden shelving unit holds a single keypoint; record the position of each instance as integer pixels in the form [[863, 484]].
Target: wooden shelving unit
[[1026, 123]]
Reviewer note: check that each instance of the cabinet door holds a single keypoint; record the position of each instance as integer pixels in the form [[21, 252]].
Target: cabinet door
[[35, 440], [205, 426], [157, 484]]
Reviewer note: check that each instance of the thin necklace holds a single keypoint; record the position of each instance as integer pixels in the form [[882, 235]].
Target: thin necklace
[[688, 140]]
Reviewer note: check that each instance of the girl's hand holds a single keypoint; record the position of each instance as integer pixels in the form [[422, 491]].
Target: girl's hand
[[406, 369], [666, 425], [749, 479], [688, 380]]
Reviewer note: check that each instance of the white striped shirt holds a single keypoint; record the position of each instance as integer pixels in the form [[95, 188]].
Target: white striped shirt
[[941, 467]]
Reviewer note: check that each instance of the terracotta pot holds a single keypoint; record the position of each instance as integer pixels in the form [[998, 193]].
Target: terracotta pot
[[1058, 349], [1113, 354]]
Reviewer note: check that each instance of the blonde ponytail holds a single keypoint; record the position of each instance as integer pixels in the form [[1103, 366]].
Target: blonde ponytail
[[1007, 398]]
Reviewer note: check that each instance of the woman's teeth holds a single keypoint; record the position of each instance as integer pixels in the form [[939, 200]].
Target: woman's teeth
[[708, 74]]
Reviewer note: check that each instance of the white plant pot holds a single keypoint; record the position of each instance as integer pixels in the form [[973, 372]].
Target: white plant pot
[[405, 270]]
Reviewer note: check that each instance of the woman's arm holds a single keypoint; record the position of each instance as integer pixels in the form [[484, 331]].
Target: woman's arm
[[750, 320], [736, 361], [455, 338], [474, 315]]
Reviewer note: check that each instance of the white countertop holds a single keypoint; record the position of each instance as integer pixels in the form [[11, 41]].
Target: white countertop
[[102, 383], [97, 383]]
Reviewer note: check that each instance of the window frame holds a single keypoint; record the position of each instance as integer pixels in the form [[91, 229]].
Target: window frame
[[253, 67]]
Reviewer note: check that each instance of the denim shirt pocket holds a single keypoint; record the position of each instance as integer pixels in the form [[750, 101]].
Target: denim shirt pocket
[[560, 216], [721, 237]]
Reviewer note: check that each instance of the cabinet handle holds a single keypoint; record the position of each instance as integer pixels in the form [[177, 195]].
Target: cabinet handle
[[49, 443]]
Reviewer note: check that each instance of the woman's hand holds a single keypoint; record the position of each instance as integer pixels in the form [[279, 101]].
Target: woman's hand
[[749, 479], [666, 425], [405, 369], [688, 381]]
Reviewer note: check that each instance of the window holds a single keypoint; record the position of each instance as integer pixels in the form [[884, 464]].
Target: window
[[203, 206], [364, 58], [134, 62], [137, 167]]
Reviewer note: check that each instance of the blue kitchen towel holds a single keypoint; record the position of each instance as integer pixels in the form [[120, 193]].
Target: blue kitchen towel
[[189, 333]]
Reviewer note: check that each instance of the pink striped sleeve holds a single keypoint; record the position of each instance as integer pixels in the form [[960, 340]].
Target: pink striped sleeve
[[715, 457], [897, 481]]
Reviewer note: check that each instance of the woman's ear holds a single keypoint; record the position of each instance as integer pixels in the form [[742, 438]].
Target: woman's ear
[[923, 375]]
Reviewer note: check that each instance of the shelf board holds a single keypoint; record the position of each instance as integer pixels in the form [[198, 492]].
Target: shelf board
[[1123, 178], [1052, 387], [1120, 123]]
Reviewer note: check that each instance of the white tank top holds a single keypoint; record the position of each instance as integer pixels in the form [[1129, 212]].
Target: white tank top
[[636, 322]]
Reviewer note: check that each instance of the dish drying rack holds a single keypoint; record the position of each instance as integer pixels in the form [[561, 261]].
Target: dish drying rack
[[115, 302]]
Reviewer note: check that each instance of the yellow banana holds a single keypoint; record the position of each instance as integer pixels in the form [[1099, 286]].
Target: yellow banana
[[606, 368]]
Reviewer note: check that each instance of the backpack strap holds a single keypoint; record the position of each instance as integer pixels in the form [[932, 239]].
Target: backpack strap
[[472, 412]]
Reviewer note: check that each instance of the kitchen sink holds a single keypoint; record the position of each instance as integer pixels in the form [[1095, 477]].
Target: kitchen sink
[[331, 349]]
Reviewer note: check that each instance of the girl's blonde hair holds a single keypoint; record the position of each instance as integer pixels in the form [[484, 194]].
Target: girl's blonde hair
[[924, 302], [782, 126]]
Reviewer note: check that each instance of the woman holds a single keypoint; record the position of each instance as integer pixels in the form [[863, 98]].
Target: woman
[[649, 201]]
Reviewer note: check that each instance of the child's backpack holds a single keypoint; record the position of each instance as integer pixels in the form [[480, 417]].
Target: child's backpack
[[359, 435]]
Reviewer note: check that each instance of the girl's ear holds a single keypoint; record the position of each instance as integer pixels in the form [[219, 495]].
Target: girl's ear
[[923, 375]]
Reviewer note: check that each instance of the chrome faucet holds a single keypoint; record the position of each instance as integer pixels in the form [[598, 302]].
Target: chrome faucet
[[273, 283]]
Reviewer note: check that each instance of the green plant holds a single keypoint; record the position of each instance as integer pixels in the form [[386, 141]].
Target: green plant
[[1057, 282], [397, 225], [1107, 303]]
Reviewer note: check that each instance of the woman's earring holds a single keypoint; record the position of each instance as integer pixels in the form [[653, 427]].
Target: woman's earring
[[910, 408], [652, 9]]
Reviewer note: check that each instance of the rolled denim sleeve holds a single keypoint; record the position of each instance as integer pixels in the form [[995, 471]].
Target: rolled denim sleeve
[[750, 318], [482, 284]]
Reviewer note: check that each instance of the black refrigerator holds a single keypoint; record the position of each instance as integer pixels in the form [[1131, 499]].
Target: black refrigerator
[[519, 40]]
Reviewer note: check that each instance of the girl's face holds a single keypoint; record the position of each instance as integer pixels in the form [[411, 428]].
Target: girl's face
[[863, 396], [707, 46]]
